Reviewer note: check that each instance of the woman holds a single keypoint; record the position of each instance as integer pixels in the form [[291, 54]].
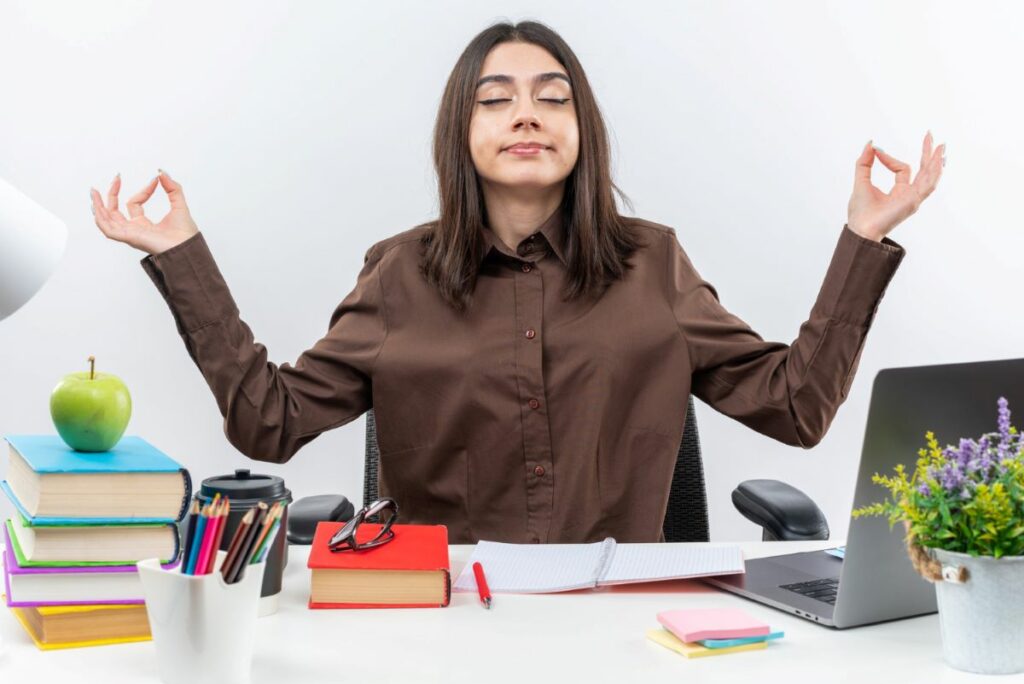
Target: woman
[[529, 354]]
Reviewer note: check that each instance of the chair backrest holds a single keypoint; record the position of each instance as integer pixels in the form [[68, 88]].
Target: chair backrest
[[686, 517]]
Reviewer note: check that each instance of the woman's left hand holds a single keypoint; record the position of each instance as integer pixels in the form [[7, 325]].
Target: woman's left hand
[[873, 213]]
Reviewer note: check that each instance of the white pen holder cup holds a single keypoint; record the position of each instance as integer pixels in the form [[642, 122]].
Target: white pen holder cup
[[203, 628]]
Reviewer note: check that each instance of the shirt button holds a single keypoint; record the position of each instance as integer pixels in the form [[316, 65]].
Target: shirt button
[[531, 333], [534, 404], [527, 268], [539, 471], [530, 238]]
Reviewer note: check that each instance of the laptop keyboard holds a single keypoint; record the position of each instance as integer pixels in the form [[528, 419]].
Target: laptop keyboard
[[821, 589]]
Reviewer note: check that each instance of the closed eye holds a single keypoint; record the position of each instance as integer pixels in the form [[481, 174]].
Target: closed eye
[[560, 101]]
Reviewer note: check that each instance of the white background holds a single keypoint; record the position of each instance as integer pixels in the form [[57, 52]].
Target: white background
[[301, 134]]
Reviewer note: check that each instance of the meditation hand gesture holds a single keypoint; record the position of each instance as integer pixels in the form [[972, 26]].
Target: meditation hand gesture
[[873, 213], [137, 230]]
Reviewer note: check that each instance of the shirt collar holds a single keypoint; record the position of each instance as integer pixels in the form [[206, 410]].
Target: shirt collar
[[552, 230]]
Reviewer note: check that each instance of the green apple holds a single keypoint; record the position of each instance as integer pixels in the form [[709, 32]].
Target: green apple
[[90, 410]]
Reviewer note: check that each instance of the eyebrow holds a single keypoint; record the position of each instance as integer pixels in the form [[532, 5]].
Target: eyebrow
[[539, 78]]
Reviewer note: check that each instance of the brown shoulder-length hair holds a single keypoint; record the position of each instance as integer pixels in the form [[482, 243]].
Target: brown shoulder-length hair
[[598, 241]]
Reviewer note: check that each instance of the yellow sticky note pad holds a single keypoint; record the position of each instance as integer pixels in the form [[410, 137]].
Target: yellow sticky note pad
[[695, 650]]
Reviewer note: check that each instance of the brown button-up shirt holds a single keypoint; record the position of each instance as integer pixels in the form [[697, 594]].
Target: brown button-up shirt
[[528, 418]]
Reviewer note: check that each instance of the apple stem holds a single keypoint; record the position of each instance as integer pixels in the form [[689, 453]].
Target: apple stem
[[92, 367]]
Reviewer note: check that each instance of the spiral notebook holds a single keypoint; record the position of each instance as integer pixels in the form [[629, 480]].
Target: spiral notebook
[[548, 568]]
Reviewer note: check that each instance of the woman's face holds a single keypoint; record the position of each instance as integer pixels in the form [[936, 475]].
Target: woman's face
[[524, 96]]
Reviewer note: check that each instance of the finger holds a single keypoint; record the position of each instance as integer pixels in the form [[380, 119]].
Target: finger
[[101, 214], [173, 189], [901, 169], [138, 199], [862, 171], [926, 150], [929, 176], [116, 216], [115, 188], [937, 165]]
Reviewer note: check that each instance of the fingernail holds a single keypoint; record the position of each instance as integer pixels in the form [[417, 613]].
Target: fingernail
[[92, 209], [878, 148]]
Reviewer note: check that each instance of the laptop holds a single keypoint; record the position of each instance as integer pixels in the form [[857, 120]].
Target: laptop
[[874, 581]]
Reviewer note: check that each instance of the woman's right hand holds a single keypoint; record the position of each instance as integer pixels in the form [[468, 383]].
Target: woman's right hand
[[137, 230]]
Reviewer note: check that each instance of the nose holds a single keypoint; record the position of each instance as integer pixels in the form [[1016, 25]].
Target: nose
[[525, 114]]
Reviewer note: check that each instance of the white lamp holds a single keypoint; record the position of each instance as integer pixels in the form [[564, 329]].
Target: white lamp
[[32, 241]]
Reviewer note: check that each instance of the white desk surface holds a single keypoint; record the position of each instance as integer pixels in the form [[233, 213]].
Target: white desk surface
[[588, 636]]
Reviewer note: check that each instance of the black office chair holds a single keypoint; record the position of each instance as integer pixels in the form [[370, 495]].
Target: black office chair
[[784, 512]]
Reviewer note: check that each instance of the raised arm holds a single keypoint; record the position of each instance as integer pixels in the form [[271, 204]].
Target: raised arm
[[269, 411], [792, 392]]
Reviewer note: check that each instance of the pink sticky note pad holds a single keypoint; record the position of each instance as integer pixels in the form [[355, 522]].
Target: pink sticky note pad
[[694, 624]]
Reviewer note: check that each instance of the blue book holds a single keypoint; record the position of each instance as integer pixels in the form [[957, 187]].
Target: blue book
[[52, 484]]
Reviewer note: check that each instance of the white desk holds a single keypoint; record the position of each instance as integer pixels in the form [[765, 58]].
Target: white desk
[[580, 636]]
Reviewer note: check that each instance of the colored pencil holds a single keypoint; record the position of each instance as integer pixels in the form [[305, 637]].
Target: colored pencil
[[236, 541], [270, 541], [197, 541], [275, 511], [222, 521], [242, 558], [190, 532], [208, 532]]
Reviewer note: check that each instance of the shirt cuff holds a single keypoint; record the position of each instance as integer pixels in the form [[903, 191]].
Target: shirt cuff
[[857, 278], [190, 282]]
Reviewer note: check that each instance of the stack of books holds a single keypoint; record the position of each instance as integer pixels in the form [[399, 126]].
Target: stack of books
[[700, 632], [82, 521]]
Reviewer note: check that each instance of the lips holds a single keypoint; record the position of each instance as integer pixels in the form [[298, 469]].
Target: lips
[[526, 146]]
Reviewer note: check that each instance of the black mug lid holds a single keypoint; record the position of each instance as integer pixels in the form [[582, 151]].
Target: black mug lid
[[244, 485]]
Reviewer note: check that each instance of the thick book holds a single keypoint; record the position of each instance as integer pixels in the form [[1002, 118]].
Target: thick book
[[30, 587], [52, 484], [410, 571], [52, 627], [542, 568], [75, 545]]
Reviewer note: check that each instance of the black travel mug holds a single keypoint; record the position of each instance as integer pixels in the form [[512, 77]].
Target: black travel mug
[[245, 490]]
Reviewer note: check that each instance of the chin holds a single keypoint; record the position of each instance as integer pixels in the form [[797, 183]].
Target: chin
[[529, 178]]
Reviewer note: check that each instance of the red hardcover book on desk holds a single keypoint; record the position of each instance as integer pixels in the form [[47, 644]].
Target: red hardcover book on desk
[[410, 571]]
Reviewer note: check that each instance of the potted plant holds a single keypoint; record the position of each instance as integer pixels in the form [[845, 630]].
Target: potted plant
[[963, 509]]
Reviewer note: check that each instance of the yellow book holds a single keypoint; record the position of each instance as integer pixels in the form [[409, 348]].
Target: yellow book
[[695, 650], [53, 627]]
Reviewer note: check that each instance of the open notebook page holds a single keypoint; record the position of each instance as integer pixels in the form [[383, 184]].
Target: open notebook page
[[534, 568], [652, 562]]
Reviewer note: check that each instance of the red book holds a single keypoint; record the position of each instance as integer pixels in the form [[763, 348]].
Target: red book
[[410, 571]]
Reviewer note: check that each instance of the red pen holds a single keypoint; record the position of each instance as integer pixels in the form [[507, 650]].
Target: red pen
[[481, 585]]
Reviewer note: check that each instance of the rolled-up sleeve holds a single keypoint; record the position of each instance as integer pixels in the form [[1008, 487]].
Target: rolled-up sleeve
[[271, 411], [788, 392]]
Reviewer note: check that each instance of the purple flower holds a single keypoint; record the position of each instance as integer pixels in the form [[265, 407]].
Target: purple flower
[[924, 489], [1004, 421], [967, 451], [951, 477]]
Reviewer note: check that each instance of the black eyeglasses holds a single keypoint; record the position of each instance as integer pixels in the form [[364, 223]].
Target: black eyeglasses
[[345, 538]]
